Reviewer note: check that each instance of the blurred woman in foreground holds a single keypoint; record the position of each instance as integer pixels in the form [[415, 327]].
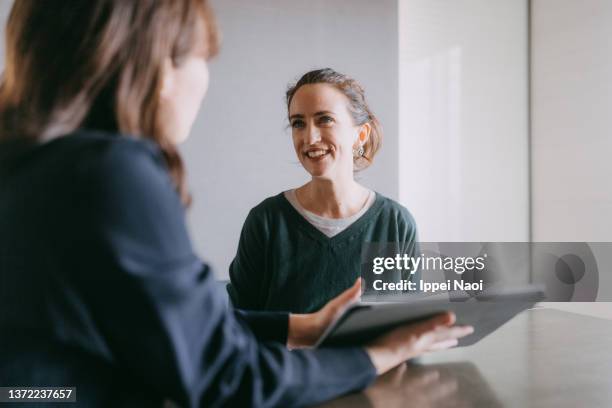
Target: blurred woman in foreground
[[100, 287]]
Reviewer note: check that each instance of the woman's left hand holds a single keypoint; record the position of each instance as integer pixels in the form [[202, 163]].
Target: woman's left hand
[[305, 329]]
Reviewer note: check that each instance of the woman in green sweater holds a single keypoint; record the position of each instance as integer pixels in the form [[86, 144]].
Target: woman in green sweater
[[304, 246]]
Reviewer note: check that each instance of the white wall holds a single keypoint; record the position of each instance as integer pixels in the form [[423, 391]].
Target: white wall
[[239, 152], [572, 120], [463, 149], [572, 126]]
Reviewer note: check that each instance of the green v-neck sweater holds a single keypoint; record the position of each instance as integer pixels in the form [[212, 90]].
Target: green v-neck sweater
[[284, 263]]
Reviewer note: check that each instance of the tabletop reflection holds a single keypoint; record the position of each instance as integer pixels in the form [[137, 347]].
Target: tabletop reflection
[[457, 384]]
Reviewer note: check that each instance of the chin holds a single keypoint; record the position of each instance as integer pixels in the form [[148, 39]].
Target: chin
[[316, 171], [322, 174]]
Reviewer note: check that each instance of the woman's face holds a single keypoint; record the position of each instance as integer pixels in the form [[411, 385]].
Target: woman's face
[[324, 134], [183, 89]]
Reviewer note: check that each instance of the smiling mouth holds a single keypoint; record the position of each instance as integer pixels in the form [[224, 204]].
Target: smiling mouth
[[317, 153]]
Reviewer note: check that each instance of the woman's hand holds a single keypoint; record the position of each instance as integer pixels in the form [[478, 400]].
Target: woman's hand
[[305, 329], [406, 342]]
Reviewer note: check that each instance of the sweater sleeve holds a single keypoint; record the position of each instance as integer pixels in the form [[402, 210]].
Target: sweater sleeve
[[266, 326], [246, 271], [156, 308]]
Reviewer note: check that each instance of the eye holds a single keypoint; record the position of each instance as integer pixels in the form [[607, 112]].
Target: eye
[[325, 119], [297, 124]]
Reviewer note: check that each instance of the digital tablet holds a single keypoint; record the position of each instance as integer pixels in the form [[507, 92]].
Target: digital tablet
[[365, 321]]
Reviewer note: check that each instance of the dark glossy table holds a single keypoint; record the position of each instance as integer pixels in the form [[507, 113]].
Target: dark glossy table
[[541, 358]]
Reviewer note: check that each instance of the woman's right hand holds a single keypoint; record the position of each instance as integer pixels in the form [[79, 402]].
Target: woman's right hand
[[406, 342]]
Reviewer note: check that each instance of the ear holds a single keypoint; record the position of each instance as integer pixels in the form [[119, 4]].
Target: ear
[[364, 134], [167, 79]]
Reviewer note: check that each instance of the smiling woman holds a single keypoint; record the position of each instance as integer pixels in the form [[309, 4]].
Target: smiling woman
[[335, 99], [302, 247]]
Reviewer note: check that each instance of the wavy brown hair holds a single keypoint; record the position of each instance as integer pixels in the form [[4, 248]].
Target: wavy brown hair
[[98, 64], [357, 106]]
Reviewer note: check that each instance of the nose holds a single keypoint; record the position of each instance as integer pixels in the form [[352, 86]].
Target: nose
[[312, 134]]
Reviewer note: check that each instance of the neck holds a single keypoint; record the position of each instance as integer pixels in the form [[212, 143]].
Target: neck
[[333, 198]]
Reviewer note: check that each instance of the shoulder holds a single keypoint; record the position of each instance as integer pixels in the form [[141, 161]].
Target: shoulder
[[268, 215], [395, 211], [106, 158], [120, 169], [82, 149], [269, 207], [103, 151]]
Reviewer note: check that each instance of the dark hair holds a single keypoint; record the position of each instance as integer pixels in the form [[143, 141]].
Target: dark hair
[[358, 107], [98, 64]]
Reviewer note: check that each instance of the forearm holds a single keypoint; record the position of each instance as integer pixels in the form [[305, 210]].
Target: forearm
[[267, 326], [285, 378], [295, 378]]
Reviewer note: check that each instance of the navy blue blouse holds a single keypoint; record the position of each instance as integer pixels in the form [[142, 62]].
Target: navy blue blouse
[[100, 289]]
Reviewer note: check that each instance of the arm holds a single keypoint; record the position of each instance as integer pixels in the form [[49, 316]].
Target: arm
[[268, 326], [247, 269], [155, 305], [248, 282]]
